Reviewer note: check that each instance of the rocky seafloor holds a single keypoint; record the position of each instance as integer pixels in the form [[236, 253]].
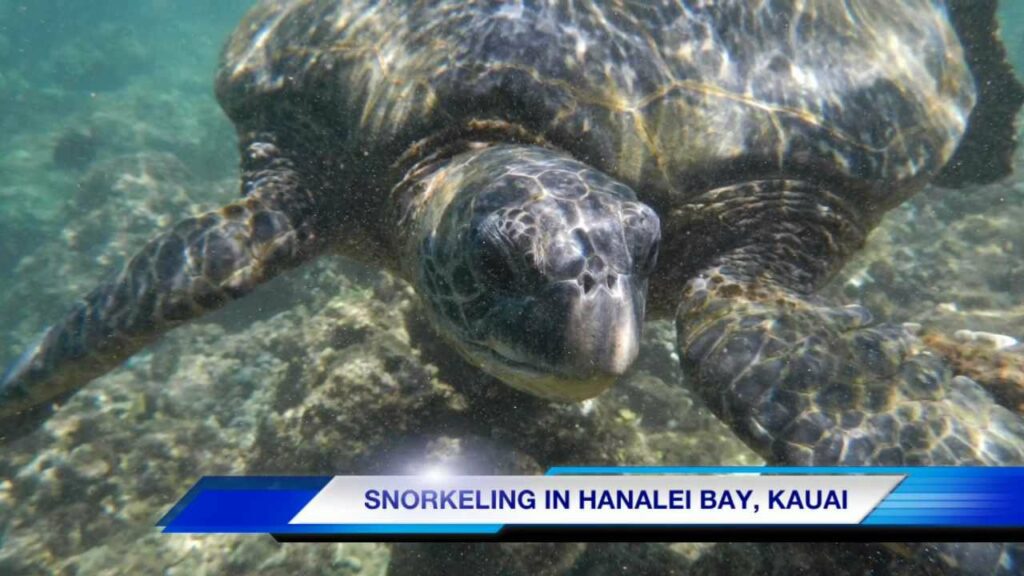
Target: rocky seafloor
[[332, 368]]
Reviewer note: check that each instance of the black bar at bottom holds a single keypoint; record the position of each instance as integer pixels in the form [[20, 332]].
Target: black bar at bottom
[[527, 533]]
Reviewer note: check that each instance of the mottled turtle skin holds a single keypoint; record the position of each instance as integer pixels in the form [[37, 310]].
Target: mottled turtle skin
[[547, 174]]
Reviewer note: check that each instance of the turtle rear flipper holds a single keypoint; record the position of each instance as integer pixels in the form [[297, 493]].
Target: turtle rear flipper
[[985, 153], [197, 266]]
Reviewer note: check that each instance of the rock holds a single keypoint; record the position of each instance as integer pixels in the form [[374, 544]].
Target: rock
[[75, 149]]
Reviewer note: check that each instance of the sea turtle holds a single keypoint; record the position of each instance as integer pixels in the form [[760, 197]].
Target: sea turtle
[[547, 174]]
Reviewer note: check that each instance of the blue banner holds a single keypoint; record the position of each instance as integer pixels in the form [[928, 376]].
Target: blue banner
[[587, 500]]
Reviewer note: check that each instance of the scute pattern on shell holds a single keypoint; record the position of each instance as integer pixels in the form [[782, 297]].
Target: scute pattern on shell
[[665, 96]]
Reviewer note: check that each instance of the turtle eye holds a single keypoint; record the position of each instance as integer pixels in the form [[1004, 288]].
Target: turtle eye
[[643, 234], [645, 264], [494, 262]]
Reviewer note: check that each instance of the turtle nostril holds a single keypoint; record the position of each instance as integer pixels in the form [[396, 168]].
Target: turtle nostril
[[588, 283], [610, 280]]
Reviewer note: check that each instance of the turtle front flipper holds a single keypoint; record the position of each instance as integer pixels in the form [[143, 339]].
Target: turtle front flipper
[[197, 266], [806, 383]]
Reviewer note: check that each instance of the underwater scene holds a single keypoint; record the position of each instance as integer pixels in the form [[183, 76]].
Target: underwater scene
[[371, 238]]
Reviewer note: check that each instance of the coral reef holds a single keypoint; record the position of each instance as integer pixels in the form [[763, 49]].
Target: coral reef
[[947, 259]]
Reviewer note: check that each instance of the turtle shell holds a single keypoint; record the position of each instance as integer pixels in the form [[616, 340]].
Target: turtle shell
[[669, 97]]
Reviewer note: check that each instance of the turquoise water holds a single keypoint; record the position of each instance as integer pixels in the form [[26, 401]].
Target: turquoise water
[[110, 132]]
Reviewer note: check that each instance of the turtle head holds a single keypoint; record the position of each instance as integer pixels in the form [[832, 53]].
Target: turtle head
[[536, 269]]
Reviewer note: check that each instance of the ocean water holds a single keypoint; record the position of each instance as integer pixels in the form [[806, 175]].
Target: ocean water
[[110, 132]]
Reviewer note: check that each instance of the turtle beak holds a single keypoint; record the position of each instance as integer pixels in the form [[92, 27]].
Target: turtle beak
[[604, 326]]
